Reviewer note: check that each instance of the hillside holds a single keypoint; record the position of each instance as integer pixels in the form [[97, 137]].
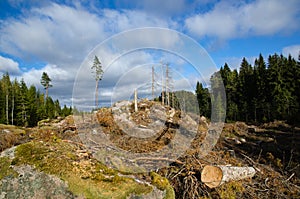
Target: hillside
[[90, 156]]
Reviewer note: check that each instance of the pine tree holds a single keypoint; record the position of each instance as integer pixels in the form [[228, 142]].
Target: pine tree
[[98, 72], [45, 81]]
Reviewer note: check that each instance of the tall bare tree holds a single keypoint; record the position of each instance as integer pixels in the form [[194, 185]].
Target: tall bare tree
[[98, 73]]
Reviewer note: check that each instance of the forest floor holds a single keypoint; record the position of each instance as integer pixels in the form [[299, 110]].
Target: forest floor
[[273, 149]]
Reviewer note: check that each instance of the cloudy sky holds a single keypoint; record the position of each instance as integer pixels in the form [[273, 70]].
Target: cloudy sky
[[62, 37]]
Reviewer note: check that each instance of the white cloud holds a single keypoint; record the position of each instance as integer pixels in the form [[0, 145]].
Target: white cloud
[[54, 34], [56, 74], [61, 36], [9, 65], [228, 20], [62, 81], [293, 50], [58, 33]]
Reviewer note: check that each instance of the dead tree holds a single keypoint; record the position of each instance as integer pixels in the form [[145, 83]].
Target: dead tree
[[153, 82], [135, 101]]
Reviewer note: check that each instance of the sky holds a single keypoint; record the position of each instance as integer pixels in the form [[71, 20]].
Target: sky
[[195, 38]]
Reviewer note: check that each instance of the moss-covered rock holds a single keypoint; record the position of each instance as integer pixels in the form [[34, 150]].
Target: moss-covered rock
[[31, 183], [11, 135], [5, 169], [163, 184], [37, 164]]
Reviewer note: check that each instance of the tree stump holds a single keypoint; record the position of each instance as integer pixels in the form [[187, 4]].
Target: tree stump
[[214, 176]]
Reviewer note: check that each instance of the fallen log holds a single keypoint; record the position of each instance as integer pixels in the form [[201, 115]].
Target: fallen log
[[214, 176]]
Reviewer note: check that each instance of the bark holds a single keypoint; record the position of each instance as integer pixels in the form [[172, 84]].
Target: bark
[[7, 120], [96, 95], [12, 110], [214, 176], [135, 101], [152, 83], [46, 93]]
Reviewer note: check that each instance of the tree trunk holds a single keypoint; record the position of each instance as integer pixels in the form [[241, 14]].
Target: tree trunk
[[152, 83], [46, 92], [162, 96], [214, 176], [96, 95], [135, 101], [7, 121], [12, 110]]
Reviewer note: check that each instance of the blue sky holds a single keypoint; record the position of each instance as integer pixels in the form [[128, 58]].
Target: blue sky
[[56, 36]]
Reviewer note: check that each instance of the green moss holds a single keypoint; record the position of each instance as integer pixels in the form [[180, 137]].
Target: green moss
[[90, 179], [5, 169], [162, 183], [15, 130], [231, 190]]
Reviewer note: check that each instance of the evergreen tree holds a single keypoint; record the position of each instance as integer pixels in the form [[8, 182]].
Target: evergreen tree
[[50, 108], [260, 98], [22, 105], [32, 115], [57, 109], [2, 104], [7, 88], [230, 79], [218, 98], [45, 81], [98, 72], [245, 90], [25, 107], [203, 97]]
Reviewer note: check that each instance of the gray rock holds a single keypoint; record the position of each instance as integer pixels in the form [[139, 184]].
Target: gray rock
[[9, 152], [33, 184]]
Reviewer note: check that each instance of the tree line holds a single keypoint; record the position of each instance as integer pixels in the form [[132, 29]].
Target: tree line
[[24, 106], [260, 93]]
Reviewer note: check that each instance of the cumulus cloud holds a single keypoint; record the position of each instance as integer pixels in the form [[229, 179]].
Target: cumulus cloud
[[55, 33], [62, 36], [60, 33], [293, 50], [62, 81], [9, 65], [228, 20]]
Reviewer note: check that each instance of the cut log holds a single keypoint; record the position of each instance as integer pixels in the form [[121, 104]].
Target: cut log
[[214, 176]]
